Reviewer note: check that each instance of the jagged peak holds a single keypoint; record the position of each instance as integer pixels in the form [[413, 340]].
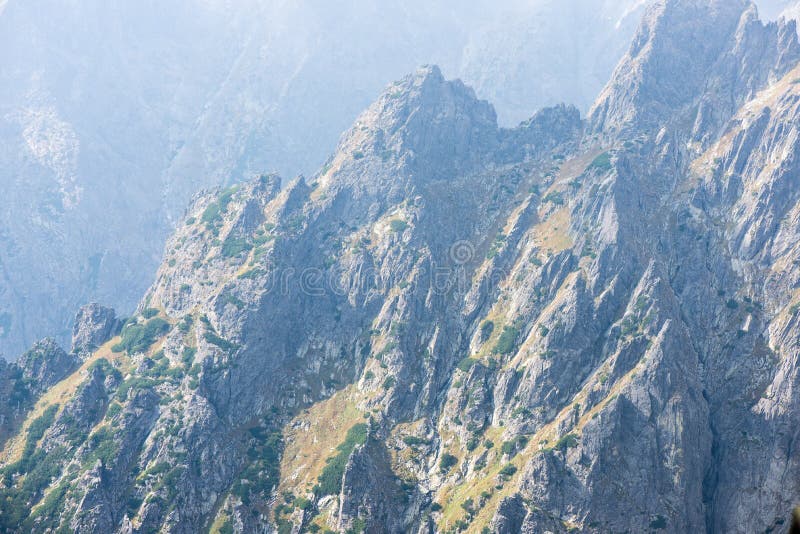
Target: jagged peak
[[93, 325], [259, 185], [554, 121], [546, 129], [305, 334], [45, 363], [425, 92], [425, 74], [681, 49], [426, 79], [410, 124]]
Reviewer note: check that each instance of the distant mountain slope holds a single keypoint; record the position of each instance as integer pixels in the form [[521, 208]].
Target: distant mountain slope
[[772, 9], [792, 11]]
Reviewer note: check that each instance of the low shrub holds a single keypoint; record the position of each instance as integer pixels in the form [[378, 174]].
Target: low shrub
[[566, 442], [398, 225], [447, 462], [330, 481], [601, 163], [511, 447], [139, 337], [466, 364], [507, 340], [487, 327], [233, 246], [508, 470], [224, 344]]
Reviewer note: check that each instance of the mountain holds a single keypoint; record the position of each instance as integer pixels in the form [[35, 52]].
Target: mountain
[[772, 9], [792, 12], [113, 116], [576, 324]]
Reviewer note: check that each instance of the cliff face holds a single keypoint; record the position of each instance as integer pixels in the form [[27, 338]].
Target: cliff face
[[453, 326]]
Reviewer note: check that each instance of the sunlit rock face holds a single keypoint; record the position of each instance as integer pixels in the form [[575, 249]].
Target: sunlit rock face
[[574, 324]]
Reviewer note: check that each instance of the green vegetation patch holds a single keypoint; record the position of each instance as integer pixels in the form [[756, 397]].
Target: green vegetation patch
[[414, 441], [187, 356], [659, 523], [15, 502], [556, 198], [36, 430], [233, 246], [497, 245], [105, 368], [114, 409], [220, 342], [259, 478], [139, 337], [398, 225], [466, 364], [330, 481], [566, 442], [213, 212], [487, 327], [508, 470], [136, 383], [389, 382], [512, 446], [447, 462], [38, 468], [601, 163], [507, 341], [48, 514], [102, 446]]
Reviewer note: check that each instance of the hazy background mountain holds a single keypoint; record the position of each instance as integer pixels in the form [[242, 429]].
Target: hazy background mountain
[[112, 115], [772, 9], [792, 11]]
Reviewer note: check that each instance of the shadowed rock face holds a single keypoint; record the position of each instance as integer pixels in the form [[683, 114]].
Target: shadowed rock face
[[565, 325], [45, 364], [23, 382]]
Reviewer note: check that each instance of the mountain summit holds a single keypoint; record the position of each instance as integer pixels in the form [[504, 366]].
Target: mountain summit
[[695, 60]]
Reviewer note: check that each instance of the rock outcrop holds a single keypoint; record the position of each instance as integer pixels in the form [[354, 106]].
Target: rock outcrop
[[94, 325], [45, 364]]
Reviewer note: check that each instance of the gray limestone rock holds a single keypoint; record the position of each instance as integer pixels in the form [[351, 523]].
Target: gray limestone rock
[[94, 325], [562, 326]]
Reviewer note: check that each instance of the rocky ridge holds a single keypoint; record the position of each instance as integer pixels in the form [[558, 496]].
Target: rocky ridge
[[103, 143]]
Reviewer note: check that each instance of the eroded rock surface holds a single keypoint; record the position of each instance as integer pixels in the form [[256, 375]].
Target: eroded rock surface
[[575, 324]]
